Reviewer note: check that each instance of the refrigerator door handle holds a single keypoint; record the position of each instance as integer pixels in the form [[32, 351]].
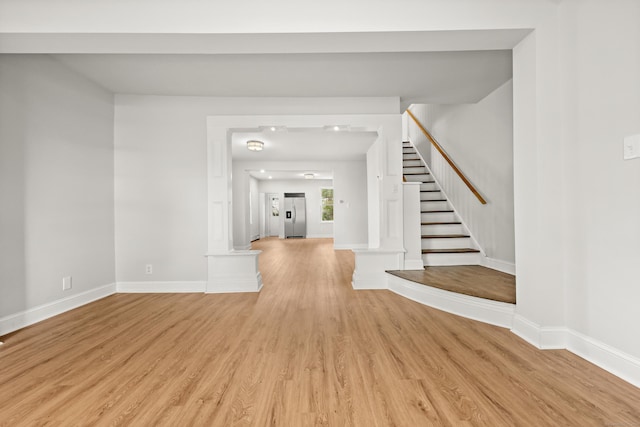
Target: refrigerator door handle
[[294, 213]]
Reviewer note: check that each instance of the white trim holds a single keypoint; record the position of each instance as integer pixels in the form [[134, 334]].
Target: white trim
[[42, 312], [350, 246], [611, 359], [492, 312], [527, 330], [497, 264], [242, 248], [542, 337], [369, 280], [235, 284], [414, 264], [320, 236], [161, 287]]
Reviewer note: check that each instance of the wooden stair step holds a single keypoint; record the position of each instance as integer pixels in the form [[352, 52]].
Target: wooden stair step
[[429, 191], [440, 211], [450, 251], [416, 173], [434, 200], [445, 236], [442, 223]]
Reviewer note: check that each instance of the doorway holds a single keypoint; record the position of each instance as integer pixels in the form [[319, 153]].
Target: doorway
[[273, 214]]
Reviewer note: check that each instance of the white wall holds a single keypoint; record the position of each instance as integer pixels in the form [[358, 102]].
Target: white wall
[[349, 193], [254, 196], [56, 183], [600, 65], [161, 177], [311, 187], [479, 139]]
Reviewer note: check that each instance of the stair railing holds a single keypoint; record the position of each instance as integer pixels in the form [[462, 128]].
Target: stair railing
[[447, 158]]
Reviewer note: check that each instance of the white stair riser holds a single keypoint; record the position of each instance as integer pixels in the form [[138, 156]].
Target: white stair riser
[[418, 178], [429, 186], [442, 229], [438, 217], [431, 196], [451, 259], [434, 206], [420, 169], [406, 163], [447, 243]]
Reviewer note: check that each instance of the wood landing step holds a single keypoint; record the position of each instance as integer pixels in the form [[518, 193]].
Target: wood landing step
[[441, 223], [471, 280], [451, 251], [444, 236]]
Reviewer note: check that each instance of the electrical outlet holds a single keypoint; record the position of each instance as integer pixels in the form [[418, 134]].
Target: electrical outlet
[[148, 269], [66, 283]]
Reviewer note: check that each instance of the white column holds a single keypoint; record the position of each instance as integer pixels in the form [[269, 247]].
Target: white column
[[228, 270]]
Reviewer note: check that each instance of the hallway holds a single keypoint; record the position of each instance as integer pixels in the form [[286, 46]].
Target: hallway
[[306, 350]]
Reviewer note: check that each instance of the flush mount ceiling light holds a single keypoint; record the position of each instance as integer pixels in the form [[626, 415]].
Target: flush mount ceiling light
[[254, 145], [309, 176], [337, 128], [273, 128]]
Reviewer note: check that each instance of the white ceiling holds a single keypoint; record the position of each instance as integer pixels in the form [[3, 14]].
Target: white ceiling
[[415, 77], [441, 67], [288, 145], [294, 145], [279, 175]]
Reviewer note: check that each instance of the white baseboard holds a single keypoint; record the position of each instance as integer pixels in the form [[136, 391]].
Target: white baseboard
[[544, 338], [413, 264], [42, 312], [603, 355], [600, 354], [320, 236], [229, 284], [496, 264], [373, 280], [161, 287], [492, 312], [349, 246]]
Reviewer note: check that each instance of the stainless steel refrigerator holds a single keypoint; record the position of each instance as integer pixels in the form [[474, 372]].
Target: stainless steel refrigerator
[[295, 219]]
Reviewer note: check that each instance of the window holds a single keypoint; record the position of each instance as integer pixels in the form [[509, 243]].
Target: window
[[326, 195]]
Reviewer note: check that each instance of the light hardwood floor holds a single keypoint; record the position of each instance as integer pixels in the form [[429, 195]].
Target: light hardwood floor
[[473, 280], [307, 350]]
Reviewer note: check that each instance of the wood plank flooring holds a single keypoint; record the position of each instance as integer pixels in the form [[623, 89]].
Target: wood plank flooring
[[306, 351], [473, 280]]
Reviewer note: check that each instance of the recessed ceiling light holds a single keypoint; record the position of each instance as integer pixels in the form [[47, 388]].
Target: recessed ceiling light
[[261, 170], [255, 145], [309, 176], [270, 177], [273, 128], [336, 128]]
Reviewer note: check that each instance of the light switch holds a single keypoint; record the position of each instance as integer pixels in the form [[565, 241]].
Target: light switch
[[632, 147]]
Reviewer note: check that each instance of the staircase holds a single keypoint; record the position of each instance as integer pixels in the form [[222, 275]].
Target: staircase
[[445, 240]]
